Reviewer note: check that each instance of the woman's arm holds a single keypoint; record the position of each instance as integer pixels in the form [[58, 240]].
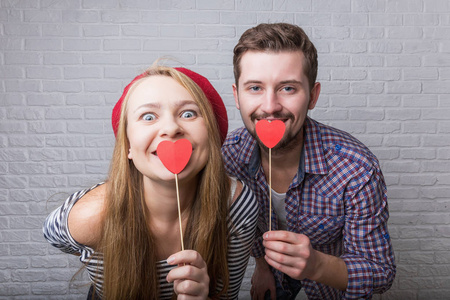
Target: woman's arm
[[86, 217]]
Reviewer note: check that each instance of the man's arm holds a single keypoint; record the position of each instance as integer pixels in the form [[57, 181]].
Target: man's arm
[[367, 264], [368, 250]]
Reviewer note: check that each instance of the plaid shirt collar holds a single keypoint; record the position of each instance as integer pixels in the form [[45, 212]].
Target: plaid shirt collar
[[312, 158]]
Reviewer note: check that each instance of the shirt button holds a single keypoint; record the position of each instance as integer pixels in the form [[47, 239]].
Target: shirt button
[[236, 138], [338, 147], [321, 227], [386, 236]]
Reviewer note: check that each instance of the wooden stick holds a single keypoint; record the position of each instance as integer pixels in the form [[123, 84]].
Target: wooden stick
[[179, 213], [270, 189]]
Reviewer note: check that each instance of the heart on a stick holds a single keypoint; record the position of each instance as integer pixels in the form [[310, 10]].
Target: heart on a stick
[[174, 156], [270, 133]]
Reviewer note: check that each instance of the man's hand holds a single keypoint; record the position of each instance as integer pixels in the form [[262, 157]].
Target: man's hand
[[262, 281], [292, 254], [190, 279]]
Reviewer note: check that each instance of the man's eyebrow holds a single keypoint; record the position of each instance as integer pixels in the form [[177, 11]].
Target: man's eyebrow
[[294, 81], [291, 81], [252, 82]]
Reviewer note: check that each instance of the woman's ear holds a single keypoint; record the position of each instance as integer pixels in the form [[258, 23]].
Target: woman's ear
[[129, 154]]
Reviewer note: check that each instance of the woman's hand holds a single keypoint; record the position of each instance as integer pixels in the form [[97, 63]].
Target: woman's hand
[[262, 281], [190, 279]]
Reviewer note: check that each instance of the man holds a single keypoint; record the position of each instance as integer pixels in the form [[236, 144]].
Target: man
[[329, 220]]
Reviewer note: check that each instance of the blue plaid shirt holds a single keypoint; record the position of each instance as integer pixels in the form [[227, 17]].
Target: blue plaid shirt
[[338, 199]]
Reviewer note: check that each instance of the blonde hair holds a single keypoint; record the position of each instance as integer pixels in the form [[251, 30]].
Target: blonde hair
[[127, 243]]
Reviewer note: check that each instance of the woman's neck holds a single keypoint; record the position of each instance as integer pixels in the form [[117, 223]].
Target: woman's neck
[[161, 199], [162, 208]]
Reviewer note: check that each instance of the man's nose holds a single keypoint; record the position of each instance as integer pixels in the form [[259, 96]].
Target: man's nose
[[271, 103]]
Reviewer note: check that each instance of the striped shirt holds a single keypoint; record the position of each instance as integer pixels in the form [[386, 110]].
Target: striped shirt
[[241, 226], [337, 198]]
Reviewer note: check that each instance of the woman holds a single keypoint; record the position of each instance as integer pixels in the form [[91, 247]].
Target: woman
[[127, 231]]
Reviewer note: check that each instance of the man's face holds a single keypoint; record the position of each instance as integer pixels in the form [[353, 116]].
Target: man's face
[[273, 86]]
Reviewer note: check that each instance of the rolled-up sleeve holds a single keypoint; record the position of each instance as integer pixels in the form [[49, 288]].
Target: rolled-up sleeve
[[368, 251]]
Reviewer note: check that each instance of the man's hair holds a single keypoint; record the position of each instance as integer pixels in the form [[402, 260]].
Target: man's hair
[[277, 37]]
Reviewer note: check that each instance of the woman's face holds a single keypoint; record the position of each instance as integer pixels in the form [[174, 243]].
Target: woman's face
[[159, 109]]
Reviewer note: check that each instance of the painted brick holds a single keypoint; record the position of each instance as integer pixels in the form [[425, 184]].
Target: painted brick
[[119, 17], [216, 5], [193, 17], [61, 86], [61, 30], [162, 44], [104, 4], [254, 5], [385, 127], [312, 19], [80, 16], [82, 44], [121, 44], [212, 31], [275, 17], [100, 30], [404, 6], [42, 16], [101, 59], [437, 6], [22, 58], [108, 86], [200, 45], [178, 31], [385, 19], [161, 16], [178, 4], [40, 72], [84, 72], [383, 66], [149, 30], [89, 127]]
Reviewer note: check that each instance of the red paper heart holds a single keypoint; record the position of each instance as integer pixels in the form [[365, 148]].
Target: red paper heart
[[270, 133], [174, 156]]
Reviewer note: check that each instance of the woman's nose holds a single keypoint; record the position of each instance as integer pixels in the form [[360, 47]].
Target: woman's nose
[[170, 127]]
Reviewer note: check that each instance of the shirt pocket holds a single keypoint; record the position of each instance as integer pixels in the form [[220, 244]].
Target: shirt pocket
[[321, 229]]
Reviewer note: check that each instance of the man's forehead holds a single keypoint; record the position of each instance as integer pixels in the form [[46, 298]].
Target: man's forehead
[[271, 66]]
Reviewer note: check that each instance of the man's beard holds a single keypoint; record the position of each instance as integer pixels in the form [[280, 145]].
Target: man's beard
[[288, 142]]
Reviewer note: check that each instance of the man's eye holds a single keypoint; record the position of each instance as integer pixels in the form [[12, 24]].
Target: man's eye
[[255, 88], [188, 114], [148, 117], [288, 89]]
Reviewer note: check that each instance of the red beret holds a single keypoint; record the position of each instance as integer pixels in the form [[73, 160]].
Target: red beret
[[214, 98]]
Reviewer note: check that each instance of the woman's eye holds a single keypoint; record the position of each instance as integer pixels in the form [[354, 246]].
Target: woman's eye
[[188, 114], [148, 117]]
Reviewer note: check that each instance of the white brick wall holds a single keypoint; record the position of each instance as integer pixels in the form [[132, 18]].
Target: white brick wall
[[385, 73]]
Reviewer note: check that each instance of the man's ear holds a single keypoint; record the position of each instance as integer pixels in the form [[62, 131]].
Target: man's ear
[[314, 95], [236, 97]]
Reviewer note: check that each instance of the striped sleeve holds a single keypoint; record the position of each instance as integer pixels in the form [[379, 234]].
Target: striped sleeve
[[241, 225], [56, 230]]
